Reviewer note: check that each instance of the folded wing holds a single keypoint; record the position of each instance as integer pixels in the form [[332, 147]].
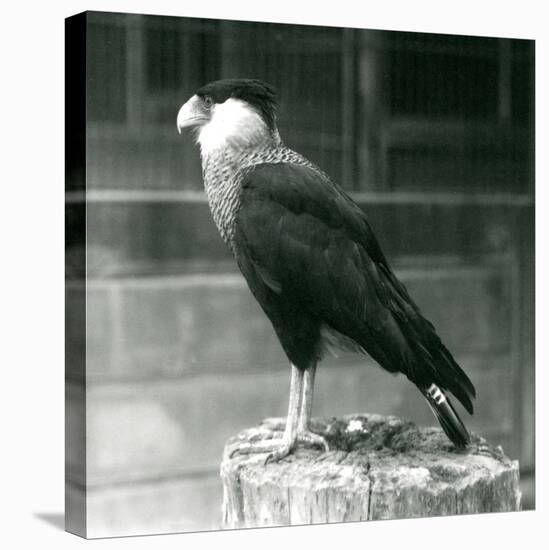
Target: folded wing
[[311, 245]]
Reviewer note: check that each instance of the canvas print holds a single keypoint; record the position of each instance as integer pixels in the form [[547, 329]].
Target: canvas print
[[299, 274]]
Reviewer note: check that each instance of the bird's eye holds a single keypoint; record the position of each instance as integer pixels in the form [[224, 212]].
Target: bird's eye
[[208, 101]]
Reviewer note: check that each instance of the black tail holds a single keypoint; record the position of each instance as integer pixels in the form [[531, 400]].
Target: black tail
[[447, 416]]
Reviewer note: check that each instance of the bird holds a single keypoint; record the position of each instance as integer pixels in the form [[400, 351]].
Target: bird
[[311, 260]]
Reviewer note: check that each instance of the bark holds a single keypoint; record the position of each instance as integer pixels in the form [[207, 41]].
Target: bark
[[378, 468]]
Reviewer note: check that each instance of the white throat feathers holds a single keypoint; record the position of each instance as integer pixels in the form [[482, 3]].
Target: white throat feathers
[[236, 125]]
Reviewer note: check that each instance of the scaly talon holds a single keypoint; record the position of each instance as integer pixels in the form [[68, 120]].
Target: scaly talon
[[307, 436], [277, 449], [278, 454]]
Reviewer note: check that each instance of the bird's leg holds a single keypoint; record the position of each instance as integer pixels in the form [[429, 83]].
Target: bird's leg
[[307, 399], [280, 447], [303, 428]]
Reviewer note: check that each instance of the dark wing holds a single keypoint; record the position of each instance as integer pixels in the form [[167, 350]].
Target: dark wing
[[310, 244]]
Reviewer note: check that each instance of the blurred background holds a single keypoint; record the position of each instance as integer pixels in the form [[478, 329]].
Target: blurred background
[[167, 352]]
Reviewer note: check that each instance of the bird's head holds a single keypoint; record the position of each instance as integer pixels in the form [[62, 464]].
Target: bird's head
[[231, 113]]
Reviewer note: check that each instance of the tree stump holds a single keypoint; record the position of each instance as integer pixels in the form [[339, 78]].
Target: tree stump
[[378, 468]]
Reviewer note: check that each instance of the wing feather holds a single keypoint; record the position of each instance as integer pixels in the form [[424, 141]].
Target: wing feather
[[310, 243]]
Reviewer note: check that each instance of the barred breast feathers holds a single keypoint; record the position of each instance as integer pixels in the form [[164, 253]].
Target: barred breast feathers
[[224, 172]]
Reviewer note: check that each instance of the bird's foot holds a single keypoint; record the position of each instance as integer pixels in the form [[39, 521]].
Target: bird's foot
[[306, 436], [277, 449]]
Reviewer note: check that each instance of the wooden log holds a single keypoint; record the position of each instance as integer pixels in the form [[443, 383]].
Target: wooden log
[[377, 468]]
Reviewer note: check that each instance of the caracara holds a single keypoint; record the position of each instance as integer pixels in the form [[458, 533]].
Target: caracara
[[311, 260]]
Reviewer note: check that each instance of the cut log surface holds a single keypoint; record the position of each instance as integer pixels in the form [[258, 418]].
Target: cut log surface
[[378, 467]]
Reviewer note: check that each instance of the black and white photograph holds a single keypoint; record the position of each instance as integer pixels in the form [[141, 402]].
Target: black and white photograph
[[299, 274], [275, 275]]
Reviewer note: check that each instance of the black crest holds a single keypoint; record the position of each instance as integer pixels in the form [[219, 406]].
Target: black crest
[[259, 94]]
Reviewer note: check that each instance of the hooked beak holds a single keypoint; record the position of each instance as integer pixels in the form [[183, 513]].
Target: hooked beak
[[192, 114]]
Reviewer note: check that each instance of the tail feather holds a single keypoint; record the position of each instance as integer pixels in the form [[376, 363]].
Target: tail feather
[[454, 379], [447, 416]]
